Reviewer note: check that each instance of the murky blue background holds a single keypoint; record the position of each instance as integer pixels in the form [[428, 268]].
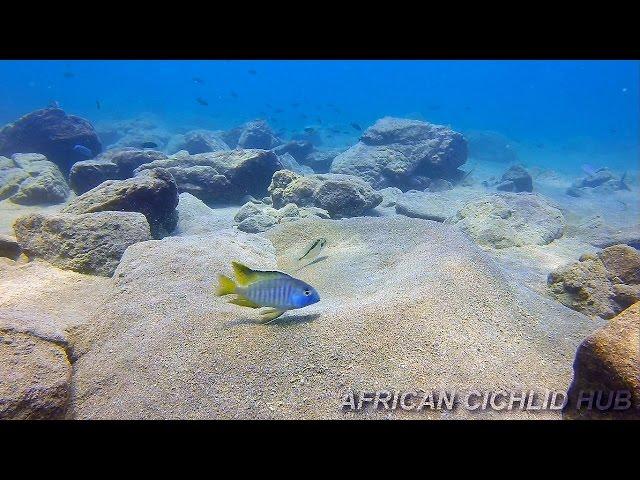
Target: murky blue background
[[561, 113]]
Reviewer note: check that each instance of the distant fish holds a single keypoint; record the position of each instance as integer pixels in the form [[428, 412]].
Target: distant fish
[[233, 94], [149, 145], [276, 290], [309, 129], [82, 150], [68, 74], [202, 101], [313, 250], [98, 104], [356, 126], [295, 104], [198, 80], [251, 72]]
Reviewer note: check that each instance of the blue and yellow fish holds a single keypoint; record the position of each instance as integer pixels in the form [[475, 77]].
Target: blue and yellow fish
[[276, 290]]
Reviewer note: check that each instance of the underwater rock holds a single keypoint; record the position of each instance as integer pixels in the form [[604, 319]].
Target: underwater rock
[[32, 180], [36, 378], [602, 181], [602, 284], [52, 133], [9, 247], [320, 160], [516, 179], [196, 218], [258, 217], [439, 185], [607, 361], [510, 220], [340, 195], [152, 192], [437, 206], [198, 141], [394, 150], [91, 243], [254, 134], [491, 146], [389, 196], [298, 149], [460, 326], [595, 231], [113, 164], [221, 176], [290, 163]]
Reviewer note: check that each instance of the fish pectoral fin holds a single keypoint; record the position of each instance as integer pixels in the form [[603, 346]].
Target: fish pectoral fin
[[270, 314], [244, 302]]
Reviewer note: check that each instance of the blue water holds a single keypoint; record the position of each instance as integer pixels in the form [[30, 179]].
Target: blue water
[[559, 112]]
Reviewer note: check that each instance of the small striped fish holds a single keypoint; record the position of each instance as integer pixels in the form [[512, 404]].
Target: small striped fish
[[276, 290]]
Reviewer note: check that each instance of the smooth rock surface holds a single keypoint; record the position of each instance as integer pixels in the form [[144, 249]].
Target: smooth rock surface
[[404, 302]]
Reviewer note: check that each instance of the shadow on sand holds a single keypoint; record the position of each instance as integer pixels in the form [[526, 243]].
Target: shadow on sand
[[283, 321]]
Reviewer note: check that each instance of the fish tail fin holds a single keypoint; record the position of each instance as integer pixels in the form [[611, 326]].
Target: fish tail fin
[[225, 286], [244, 275]]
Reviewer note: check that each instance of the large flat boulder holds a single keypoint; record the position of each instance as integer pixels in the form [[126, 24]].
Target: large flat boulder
[[404, 303], [114, 164], [510, 220], [394, 151], [221, 176], [91, 243], [153, 193], [30, 179]]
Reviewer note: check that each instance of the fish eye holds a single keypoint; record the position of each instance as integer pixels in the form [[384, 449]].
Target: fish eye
[[307, 292]]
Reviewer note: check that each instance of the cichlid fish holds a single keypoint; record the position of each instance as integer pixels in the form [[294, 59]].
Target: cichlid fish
[[276, 290], [313, 249], [82, 150]]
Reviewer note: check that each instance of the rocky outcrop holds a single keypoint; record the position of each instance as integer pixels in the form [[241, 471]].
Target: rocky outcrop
[[340, 195], [153, 193], [92, 243], [141, 132], [198, 141], [253, 134], [30, 179], [52, 133], [516, 179], [115, 164], [258, 217], [510, 220], [394, 150], [35, 378], [607, 363], [221, 176], [602, 284], [320, 160]]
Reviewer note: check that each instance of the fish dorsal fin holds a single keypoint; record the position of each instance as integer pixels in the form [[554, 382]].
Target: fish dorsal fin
[[244, 275]]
